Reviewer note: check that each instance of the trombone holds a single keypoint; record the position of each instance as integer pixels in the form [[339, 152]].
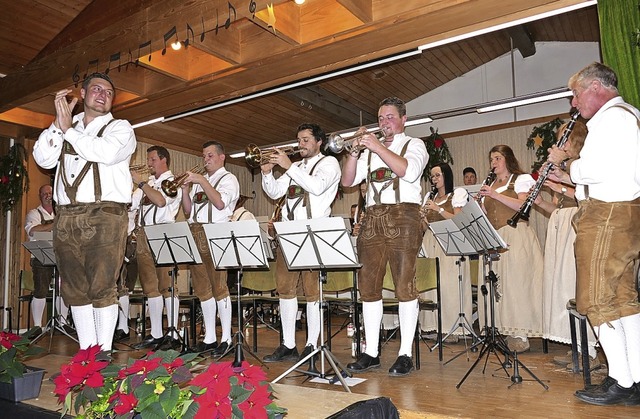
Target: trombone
[[170, 187], [255, 157], [338, 143]]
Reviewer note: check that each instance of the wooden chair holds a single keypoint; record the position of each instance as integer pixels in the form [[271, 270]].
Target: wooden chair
[[260, 284]]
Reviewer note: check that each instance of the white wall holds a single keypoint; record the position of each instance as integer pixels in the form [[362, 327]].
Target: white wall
[[550, 67]]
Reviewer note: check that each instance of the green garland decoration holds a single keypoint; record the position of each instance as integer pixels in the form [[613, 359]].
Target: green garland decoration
[[438, 152], [547, 132], [14, 179]]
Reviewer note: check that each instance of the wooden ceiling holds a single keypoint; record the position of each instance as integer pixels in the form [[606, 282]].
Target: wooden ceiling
[[239, 48]]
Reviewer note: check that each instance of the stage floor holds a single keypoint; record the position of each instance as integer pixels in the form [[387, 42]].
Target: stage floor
[[426, 393]]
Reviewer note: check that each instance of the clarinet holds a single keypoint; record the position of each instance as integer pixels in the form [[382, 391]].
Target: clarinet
[[526, 206], [491, 176]]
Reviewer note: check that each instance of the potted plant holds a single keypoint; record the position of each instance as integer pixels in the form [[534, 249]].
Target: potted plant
[[162, 384], [17, 381]]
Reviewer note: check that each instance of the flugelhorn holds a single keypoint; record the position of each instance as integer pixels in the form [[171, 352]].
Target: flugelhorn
[[139, 168], [255, 157], [170, 187], [543, 173], [338, 143]]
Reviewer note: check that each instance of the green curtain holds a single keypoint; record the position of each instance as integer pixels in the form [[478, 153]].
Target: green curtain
[[619, 23]]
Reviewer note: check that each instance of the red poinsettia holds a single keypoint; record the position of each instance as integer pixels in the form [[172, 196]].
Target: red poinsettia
[[7, 339], [141, 366], [83, 370], [254, 406], [123, 402]]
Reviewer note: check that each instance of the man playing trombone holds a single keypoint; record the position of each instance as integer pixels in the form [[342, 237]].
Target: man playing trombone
[[392, 168], [212, 199], [310, 187], [155, 207]]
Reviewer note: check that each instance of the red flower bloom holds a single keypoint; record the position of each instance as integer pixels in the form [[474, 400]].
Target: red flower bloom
[[7, 339], [214, 403], [141, 366], [177, 363], [250, 374], [124, 402], [438, 142], [254, 406], [5, 179], [216, 373]]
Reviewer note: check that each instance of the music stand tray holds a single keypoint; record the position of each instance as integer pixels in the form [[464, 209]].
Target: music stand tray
[[318, 244], [42, 249], [171, 244], [237, 245]]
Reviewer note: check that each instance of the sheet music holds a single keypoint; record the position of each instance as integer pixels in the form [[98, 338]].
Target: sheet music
[[333, 241], [236, 244], [469, 232], [172, 241]]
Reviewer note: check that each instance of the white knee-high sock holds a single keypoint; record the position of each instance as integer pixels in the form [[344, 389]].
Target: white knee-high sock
[[224, 311], [313, 323], [37, 310], [123, 313], [106, 319], [614, 345], [62, 309], [408, 317], [155, 315], [288, 309], [372, 315], [172, 320], [631, 326], [209, 319], [85, 325]]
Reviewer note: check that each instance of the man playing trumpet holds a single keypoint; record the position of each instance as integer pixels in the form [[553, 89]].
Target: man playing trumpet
[[155, 207], [212, 199], [310, 187], [393, 167]]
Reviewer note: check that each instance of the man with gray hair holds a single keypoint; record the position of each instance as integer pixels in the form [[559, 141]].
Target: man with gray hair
[[607, 179]]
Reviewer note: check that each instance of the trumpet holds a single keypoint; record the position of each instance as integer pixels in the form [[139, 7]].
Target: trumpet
[[170, 187], [256, 157], [338, 143], [140, 168]]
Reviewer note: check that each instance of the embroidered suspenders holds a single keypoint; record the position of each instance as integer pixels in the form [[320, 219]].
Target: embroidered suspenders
[[71, 189]]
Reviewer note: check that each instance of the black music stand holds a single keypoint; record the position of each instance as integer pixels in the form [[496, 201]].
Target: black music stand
[[479, 232], [237, 245], [318, 244], [171, 244], [42, 249], [454, 243]]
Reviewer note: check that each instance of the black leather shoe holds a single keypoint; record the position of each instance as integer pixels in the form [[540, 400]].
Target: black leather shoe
[[120, 335], [169, 343], [148, 342], [221, 349], [205, 347], [282, 353], [364, 363], [602, 387], [402, 366], [613, 395], [305, 352]]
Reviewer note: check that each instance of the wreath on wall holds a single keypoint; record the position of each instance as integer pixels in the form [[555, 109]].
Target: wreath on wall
[[438, 152], [14, 180], [542, 137]]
